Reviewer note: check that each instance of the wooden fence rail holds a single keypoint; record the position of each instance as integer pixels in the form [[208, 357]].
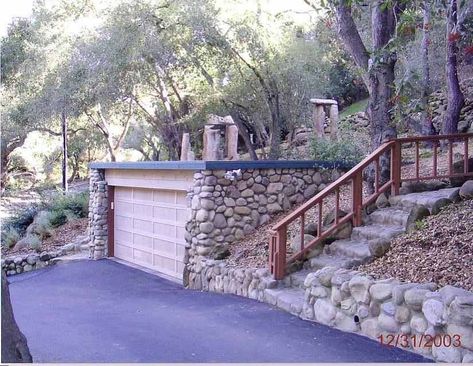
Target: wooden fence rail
[[391, 150]]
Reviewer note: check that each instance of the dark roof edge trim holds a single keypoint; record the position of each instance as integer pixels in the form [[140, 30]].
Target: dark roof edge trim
[[220, 165]]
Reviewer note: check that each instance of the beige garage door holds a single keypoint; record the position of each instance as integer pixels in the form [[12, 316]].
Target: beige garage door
[[149, 228]]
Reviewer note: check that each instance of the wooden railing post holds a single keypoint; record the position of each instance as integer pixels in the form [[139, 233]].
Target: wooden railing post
[[277, 253], [396, 167], [357, 188]]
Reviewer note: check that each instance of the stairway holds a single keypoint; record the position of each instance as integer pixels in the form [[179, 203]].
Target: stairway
[[381, 226]]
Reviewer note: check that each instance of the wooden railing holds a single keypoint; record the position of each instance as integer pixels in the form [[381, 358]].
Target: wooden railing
[[391, 150]]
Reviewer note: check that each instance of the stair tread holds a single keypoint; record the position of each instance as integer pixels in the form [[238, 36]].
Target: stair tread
[[375, 231], [325, 260], [389, 216], [352, 248], [390, 211], [428, 198], [378, 226]]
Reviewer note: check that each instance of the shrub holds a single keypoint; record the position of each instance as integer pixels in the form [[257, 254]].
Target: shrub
[[10, 237], [34, 242], [72, 204], [41, 225], [21, 220], [57, 218], [343, 150]]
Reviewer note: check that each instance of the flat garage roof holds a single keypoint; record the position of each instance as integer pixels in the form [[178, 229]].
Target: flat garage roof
[[220, 164]]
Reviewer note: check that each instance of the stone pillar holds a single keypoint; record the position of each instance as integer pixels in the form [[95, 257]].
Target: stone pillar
[[211, 143], [319, 120], [232, 142], [98, 214], [185, 146], [334, 121]]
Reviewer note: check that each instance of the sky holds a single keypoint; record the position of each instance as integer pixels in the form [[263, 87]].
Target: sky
[[11, 9]]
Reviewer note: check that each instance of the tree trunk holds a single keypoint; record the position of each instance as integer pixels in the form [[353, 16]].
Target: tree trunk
[[5, 158], [64, 151], [426, 117], [276, 125], [111, 150], [381, 86], [455, 98], [14, 345], [75, 169]]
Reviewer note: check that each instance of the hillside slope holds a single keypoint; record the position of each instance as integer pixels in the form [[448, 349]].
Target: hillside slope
[[440, 251]]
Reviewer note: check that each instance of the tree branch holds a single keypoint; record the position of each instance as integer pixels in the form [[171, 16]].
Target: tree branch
[[125, 128], [54, 133]]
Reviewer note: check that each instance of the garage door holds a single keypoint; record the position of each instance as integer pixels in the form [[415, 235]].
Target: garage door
[[149, 228]]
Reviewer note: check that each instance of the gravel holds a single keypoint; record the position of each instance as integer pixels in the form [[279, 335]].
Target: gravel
[[440, 251]]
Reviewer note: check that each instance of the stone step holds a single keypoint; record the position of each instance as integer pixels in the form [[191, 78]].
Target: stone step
[[296, 279], [289, 299], [324, 260], [389, 216], [350, 248], [427, 199], [376, 231]]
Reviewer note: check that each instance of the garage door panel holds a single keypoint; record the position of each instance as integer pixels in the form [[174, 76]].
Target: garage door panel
[[167, 265], [164, 213], [123, 251], [165, 248], [180, 250], [180, 233], [181, 198], [144, 226], [180, 267], [123, 222], [164, 229], [150, 228], [122, 192], [142, 256], [164, 197], [123, 236], [142, 241], [123, 206], [142, 210], [182, 215], [142, 194]]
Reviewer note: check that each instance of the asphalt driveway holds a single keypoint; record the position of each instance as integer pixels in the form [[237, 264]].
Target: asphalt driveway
[[103, 311]]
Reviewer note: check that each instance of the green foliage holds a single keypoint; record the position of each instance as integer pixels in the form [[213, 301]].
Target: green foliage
[[420, 224], [343, 150], [41, 226], [61, 206], [34, 242], [10, 237], [57, 218], [359, 106], [21, 220]]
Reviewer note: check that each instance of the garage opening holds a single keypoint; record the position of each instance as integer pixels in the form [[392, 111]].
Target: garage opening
[[149, 227]]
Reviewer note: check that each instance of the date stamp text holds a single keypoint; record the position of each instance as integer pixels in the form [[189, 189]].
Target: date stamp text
[[420, 340]]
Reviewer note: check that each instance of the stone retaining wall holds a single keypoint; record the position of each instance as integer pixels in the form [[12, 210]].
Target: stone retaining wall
[[215, 276], [28, 262], [226, 206], [98, 211], [355, 302]]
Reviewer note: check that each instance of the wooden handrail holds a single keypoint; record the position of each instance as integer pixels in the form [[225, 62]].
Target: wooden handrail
[[329, 189], [392, 150]]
